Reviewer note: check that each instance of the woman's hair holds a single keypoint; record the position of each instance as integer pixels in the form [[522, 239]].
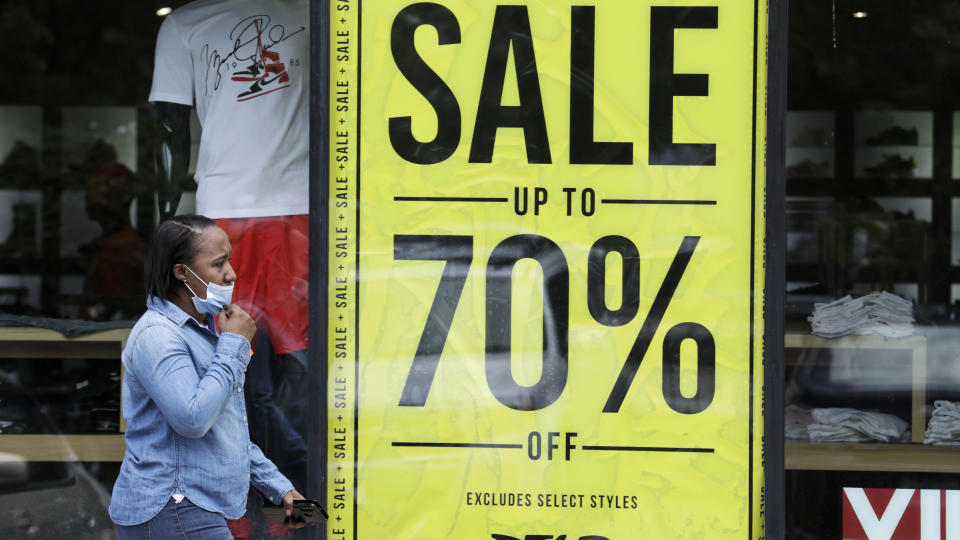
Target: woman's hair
[[174, 242]]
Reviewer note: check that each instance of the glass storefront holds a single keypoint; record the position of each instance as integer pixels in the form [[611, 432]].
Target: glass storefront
[[872, 371], [89, 167], [101, 140]]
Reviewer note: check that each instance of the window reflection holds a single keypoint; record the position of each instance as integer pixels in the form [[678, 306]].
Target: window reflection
[[78, 204], [871, 161]]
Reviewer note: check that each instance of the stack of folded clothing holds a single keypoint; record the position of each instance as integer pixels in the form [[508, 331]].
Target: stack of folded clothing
[[880, 313], [852, 425], [795, 422], [844, 425], [944, 427]]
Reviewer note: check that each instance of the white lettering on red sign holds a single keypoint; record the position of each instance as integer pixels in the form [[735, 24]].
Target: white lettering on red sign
[[900, 514]]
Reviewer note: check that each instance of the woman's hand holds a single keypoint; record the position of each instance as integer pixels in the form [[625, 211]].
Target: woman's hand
[[288, 499], [235, 320]]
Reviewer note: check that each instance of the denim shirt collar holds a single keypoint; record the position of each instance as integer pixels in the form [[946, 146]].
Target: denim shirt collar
[[173, 312]]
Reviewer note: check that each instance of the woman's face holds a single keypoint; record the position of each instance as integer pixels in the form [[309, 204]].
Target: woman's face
[[212, 262]]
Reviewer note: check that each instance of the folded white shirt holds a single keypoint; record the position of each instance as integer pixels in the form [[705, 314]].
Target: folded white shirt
[[944, 426], [880, 313], [853, 425], [795, 422], [833, 433]]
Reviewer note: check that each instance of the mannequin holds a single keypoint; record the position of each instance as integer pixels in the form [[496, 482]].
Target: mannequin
[[171, 154], [270, 426]]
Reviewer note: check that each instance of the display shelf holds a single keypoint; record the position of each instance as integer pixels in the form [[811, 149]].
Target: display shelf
[[812, 272], [872, 457], [62, 447], [915, 345], [876, 187], [27, 342], [22, 264]]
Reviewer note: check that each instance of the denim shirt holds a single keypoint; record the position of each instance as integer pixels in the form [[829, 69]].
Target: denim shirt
[[186, 420]]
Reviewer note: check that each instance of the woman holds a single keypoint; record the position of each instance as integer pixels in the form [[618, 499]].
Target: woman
[[189, 460]]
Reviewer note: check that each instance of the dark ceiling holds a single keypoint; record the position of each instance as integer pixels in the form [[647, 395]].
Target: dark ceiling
[[97, 52], [902, 55]]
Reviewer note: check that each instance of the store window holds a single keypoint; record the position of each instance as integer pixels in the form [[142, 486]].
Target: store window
[[872, 385], [108, 126]]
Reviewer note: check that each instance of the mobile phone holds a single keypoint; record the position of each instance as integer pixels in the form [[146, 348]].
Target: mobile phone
[[310, 509], [304, 510]]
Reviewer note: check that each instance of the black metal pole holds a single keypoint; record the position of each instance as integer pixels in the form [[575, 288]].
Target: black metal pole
[[319, 178], [775, 259]]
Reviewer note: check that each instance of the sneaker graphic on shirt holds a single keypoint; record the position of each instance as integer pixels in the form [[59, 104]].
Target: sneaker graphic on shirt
[[267, 73]]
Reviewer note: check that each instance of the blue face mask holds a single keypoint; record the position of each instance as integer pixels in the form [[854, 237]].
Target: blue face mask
[[218, 296]]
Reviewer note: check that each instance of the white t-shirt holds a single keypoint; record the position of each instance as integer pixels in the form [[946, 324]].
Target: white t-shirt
[[244, 65]]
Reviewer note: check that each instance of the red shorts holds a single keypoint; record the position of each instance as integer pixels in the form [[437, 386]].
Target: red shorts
[[270, 257]]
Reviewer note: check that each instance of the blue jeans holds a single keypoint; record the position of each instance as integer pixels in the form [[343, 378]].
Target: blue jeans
[[178, 521]]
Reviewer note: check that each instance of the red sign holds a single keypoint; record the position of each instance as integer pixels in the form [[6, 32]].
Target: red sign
[[901, 514]]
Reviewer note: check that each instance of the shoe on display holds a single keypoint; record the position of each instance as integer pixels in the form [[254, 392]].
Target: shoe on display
[[811, 136], [106, 419], [22, 240], [809, 169], [14, 428], [20, 168], [894, 136], [893, 166]]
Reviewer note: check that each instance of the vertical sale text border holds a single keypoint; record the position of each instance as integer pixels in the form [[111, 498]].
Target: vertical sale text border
[[774, 258], [341, 23]]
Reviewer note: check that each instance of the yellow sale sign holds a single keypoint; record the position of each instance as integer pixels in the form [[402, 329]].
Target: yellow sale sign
[[545, 260]]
